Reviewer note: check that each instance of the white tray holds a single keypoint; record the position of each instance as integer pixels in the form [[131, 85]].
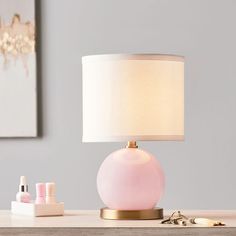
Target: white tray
[[32, 209]]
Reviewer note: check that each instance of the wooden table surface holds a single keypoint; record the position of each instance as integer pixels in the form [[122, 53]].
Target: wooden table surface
[[89, 223]]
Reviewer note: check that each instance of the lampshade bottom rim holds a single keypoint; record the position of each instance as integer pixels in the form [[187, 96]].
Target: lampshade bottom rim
[[134, 137]]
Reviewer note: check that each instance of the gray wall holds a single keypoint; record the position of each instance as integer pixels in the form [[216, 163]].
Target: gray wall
[[200, 172]]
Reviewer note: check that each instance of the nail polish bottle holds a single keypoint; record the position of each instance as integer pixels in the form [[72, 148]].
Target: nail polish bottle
[[50, 193], [40, 193], [23, 195]]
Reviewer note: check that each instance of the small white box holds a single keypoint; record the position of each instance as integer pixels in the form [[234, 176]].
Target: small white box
[[32, 209]]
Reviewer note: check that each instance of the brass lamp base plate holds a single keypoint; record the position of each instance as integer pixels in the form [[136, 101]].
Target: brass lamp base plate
[[150, 214]]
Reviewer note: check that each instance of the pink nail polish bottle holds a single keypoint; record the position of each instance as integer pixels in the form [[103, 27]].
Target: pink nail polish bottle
[[40, 193], [50, 193]]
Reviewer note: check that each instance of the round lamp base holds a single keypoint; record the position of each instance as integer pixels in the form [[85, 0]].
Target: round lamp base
[[130, 179], [149, 214]]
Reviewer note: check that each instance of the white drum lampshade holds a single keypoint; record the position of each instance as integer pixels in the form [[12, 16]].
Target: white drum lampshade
[[130, 98], [133, 97]]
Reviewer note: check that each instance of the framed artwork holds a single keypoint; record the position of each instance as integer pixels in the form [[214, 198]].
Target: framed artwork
[[18, 84]]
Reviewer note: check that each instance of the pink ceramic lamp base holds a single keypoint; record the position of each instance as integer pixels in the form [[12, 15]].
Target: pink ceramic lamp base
[[130, 179]]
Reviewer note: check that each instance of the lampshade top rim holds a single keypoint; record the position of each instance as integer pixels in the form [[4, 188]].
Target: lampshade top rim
[[160, 57]]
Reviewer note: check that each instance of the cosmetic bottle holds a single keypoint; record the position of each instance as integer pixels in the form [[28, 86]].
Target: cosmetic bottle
[[50, 193], [23, 195], [40, 193]]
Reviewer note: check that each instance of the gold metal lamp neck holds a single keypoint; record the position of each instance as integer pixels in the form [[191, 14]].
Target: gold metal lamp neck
[[131, 144]]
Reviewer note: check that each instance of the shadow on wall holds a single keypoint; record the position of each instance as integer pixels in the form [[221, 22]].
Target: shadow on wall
[[39, 67]]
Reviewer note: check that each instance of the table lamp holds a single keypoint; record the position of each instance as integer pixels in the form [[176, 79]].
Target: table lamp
[[129, 98]]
